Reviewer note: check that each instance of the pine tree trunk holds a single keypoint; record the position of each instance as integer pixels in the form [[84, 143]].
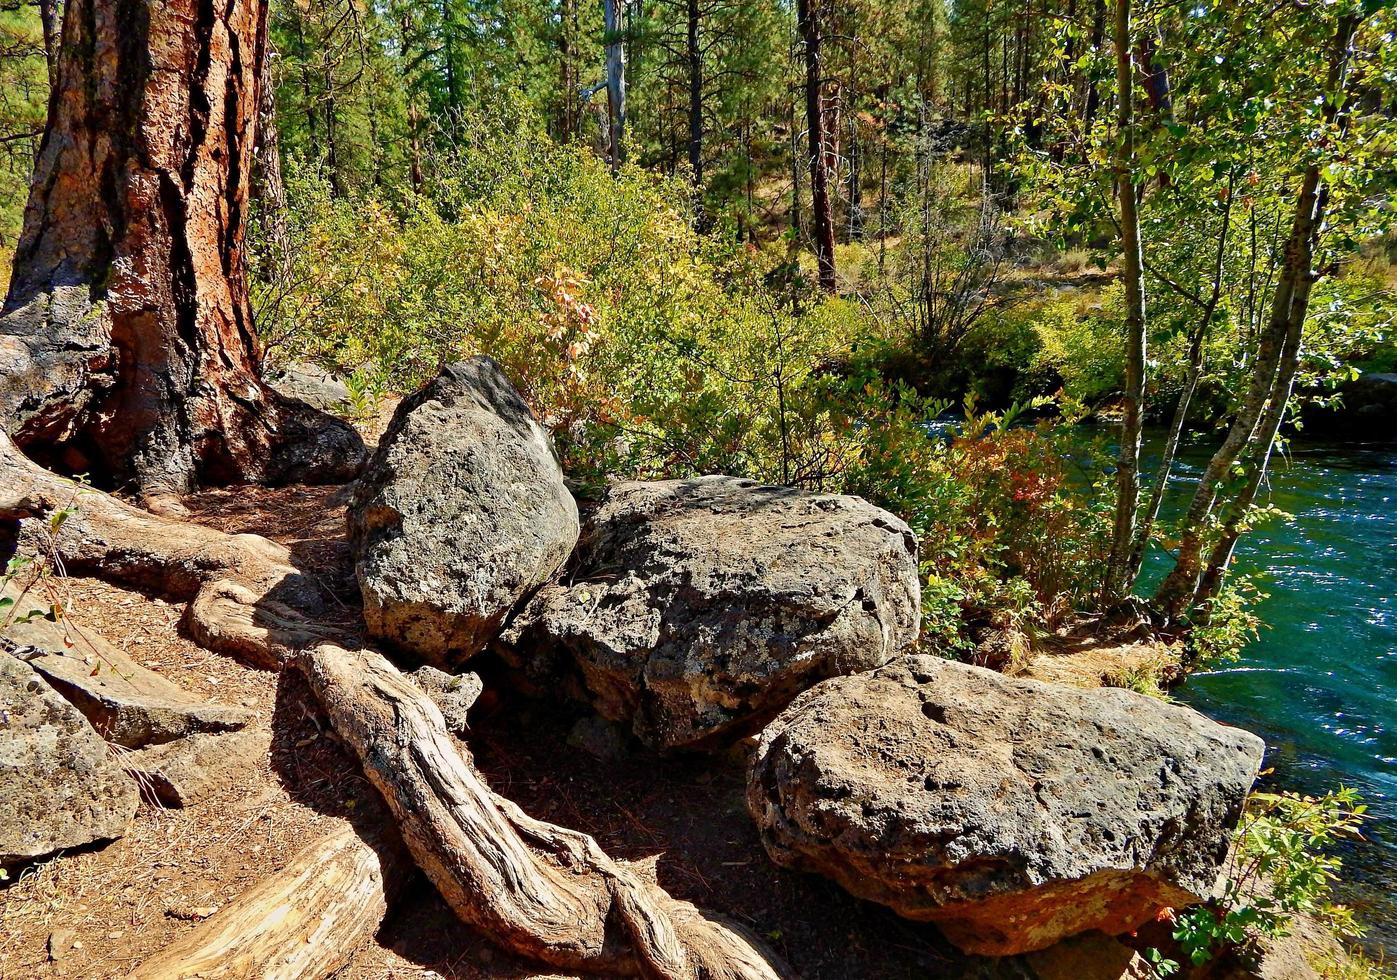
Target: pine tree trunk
[[127, 346], [615, 85], [268, 186], [695, 59], [50, 15], [819, 165]]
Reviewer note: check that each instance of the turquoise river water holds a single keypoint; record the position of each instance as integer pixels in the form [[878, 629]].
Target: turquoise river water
[[1320, 686]]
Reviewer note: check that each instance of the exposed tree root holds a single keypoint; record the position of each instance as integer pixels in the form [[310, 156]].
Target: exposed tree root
[[118, 542], [306, 921], [536, 889]]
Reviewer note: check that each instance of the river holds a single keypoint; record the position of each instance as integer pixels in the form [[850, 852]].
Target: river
[[1320, 685]]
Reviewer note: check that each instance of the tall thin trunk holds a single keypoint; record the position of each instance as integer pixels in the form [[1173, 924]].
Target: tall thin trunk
[[615, 84], [796, 223], [268, 187], [448, 56], [406, 31], [1310, 208], [567, 71], [810, 32], [856, 216], [1098, 38], [1195, 371], [1132, 415], [332, 152], [50, 17], [694, 57], [883, 200], [1263, 410]]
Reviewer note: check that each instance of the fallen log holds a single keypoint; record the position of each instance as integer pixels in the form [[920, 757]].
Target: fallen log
[[304, 922], [539, 890]]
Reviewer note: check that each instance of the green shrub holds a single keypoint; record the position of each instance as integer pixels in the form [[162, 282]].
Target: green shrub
[[1228, 625], [1281, 867], [653, 350]]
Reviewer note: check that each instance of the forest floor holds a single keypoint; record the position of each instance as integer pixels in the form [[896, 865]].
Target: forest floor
[[99, 913]]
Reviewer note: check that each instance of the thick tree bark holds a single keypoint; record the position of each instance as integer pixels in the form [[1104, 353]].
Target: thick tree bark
[[126, 345], [303, 923], [1118, 579], [810, 32]]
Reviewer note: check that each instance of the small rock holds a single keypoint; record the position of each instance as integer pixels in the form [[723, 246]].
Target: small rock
[[60, 942], [454, 694], [126, 702], [188, 771], [311, 384], [59, 786], [1090, 956]]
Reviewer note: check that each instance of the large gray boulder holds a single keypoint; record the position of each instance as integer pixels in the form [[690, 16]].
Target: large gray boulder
[[460, 514], [697, 609], [1011, 813], [59, 785]]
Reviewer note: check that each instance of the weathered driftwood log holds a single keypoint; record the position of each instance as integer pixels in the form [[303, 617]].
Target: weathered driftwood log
[[306, 921], [539, 890]]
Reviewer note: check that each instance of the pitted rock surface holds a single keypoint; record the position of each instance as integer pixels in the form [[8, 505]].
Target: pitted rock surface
[[460, 514], [60, 786], [1011, 813], [696, 609]]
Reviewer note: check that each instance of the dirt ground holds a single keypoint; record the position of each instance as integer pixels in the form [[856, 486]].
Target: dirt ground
[[98, 913]]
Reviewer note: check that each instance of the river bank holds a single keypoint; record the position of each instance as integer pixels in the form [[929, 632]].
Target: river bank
[[1320, 684]]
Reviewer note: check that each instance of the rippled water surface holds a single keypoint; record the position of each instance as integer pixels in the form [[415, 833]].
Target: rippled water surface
[[1321, 684]]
